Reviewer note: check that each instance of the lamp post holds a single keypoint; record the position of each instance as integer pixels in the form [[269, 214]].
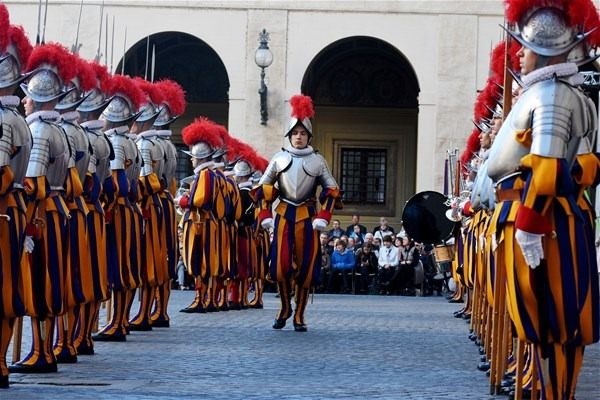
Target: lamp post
[[263, 58]]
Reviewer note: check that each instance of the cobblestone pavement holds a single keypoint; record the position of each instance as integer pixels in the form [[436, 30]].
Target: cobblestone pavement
[[356, 347]]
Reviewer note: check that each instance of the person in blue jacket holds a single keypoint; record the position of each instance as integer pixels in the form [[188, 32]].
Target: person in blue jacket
[[342, 261]]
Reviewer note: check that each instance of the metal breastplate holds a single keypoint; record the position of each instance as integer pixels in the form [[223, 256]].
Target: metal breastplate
[[100, 158], [295, 184], [15, 143], [586, 144], [133, 165], [119, 144], [153, 155], [170, 168], [80, 148], [50, 153]]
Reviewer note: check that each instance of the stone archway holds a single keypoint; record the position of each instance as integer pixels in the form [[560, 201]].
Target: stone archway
[[195, 66], [366, 99]]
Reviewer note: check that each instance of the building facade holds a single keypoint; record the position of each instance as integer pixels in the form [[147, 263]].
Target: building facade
[[393, 82]]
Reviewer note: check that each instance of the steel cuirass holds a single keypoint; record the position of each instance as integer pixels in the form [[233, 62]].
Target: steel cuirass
[[134, 158], [119, 140], [50, 153], [101, 149], [170, 151], [15, 139], [152, 153], [79, 142], [298, 172], [555, 113]]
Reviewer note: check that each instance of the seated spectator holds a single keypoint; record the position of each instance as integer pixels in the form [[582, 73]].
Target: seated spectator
[[388, 265], [342, 261], [336, 231], [366, 264], [326, 251], [351, 245], [383, 229], [376, 245], [409, 258], [357, 235], [356, 222]]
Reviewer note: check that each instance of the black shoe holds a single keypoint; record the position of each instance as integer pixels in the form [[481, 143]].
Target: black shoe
[[235, 306], [66, 358], [481, 350], [143, 327], [3, 382], [483, 366], [224, 307], [472, 337], [160, 323], [279, 323], [456, 301], [102, 337], [256, 305], [483, 358], [211, 308], [300, 327], [458, 314], [43, 368], [191, 310], [85, 350]]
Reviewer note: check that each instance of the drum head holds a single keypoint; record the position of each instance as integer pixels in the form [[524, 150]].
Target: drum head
[[424, 217]]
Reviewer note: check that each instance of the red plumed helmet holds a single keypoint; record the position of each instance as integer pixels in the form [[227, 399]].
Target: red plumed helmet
[[102, 76], [302, 112], [261, 163], [124, 85], [174, 96], [518, 10], [151, 90], [202, 130], [86, 74], [20, 41], [57, 57]]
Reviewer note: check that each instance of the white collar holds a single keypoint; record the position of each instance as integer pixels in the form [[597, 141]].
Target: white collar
[[245, 184], [163, 133], [300, 152], [93, 124], [202, 166], [145, 135], [46, 115], [70, 116], [559, 70], [10, 101], [119, 130]]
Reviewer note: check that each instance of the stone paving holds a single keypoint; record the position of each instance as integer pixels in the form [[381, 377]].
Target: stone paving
[[357, 347]]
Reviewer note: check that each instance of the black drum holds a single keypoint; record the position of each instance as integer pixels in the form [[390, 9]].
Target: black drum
[[424, 218]]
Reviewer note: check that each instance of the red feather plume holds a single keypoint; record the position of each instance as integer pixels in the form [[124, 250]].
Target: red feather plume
[[201, 130], [486, 100], [86, 75], [261, 163], [584, 15], [517, 10], [150, 90], [124, 84], [102, 76], [4, 26], [174, 96], [223, 135], [234, 147], [56, 55], [19, 39], [302, 107]]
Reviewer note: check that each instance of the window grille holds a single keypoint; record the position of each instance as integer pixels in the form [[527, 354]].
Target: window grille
[[363, 175]]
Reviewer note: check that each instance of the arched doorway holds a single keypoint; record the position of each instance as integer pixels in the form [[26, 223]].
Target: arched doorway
[[366, 99], [195, 66]]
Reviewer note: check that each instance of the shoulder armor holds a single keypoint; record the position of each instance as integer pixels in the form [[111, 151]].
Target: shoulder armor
[[281, 160], [119, 143], [313, 164], [49, 154]]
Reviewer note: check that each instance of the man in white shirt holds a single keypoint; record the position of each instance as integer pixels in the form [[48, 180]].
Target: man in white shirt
[[388, 265]]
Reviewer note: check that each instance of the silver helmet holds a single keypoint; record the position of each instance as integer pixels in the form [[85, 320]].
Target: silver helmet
[[295, 121], [119, 109], [164, 117], [581, 55], [73, 98], [10, 71], [147, 111], [200, 150], [302, 111], [44, 85], [546, 32], [94, 100], [242, 168]]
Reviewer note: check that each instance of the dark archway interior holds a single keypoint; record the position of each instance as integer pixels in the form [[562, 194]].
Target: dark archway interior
[[361, 72], [185, 59]]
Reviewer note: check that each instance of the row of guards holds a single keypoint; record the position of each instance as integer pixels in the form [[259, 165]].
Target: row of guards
[[517, 205], [87, 207]]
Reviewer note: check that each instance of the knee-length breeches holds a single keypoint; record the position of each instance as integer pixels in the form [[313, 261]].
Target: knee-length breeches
[[295, 252]]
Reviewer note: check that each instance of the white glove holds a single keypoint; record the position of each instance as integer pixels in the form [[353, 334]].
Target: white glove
[[28, 245], [319, 224], [531, 246], [267, 224], [494, 242], [481, 243]]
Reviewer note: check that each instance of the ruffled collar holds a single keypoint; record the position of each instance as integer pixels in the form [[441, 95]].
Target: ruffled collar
[[559, 70], [10, 101], [119, 130], [163, 133], [70, 116], [300, 152], [145, 135], [45, 115], [94, 124], [245, 184], [202, 166]]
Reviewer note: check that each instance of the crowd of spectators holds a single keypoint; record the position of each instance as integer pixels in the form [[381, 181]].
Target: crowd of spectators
[[381, 261]]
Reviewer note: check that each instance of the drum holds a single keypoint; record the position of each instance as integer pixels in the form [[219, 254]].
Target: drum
[[424, 217], [443, 253]]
